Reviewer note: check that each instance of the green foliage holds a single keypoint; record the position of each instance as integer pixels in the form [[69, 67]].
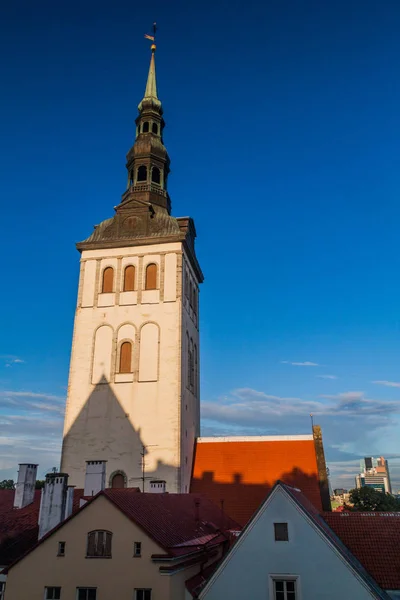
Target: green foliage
[[39, 484], [7, 484], [368, 499]]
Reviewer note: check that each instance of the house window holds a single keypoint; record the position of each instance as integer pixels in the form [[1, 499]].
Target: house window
[[61, 549], [137, 549], [50, 593], [125, 358], [2, 589], [285, 589], [99, 544], [108, 280], [86, 593], [151, 277], [144, 594], [129, 278], [281, 532]]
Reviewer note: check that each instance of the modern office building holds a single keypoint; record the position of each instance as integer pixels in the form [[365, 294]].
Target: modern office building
[[374, 473]]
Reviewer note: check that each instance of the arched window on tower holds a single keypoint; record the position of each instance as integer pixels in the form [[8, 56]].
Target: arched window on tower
[[142, 173], [151, 277], [191, 293], [189, 360], [191, 374], [146, 127], [131, 177], [129, 278], [156, 175], [125, 358], [118, 480], [108, 280], [196, 372], [154, 128]]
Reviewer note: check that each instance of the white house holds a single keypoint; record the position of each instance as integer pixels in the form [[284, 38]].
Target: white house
[[288, 552]]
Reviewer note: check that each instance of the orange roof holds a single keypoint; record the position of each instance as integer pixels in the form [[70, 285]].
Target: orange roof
[[241, 471]]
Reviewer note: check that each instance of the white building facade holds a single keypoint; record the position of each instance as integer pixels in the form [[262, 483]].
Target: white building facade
[[286, 553], [133, 393]]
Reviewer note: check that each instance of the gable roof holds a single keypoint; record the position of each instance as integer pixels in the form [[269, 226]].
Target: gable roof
[[316, 520], [374, 538], [179, 523], [19, 526], [242, 471]]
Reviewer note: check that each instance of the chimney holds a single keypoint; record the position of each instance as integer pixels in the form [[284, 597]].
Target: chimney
[[25, 488], [70, 501], [53, 502], [95, 478], [158, 486]]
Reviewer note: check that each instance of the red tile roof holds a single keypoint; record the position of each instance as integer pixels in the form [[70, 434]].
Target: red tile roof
[[242, 473], [177, 522], [19, 526], [374, 539]]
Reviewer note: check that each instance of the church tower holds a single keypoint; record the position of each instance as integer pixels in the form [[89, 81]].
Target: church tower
[[134, 375]]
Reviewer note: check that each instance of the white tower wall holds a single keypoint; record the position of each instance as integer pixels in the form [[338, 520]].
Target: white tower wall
[[111, 415]]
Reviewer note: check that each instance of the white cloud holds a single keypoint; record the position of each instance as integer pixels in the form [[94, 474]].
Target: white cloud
[[31, 429], [326, 376], [394, 384], [307, 363], [353, 425], [10, 360]]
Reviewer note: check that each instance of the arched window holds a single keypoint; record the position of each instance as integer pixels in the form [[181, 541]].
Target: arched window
[[156, 175], [154, 128], [191, 374], [125, 358], [131, 178], [118, 481], [189, 360], [151, 277], [145, 127], [108, 280], [196, 372], [129, 278], [142, 173], [191, 293], [99, 544]]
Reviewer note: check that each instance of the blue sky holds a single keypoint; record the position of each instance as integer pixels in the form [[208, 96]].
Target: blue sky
[[283, 127]]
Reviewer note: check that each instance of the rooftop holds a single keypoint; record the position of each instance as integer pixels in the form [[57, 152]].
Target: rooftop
[[243, 471]]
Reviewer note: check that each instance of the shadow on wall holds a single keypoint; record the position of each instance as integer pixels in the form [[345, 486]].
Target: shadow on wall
[[241, 500], [103, 430]]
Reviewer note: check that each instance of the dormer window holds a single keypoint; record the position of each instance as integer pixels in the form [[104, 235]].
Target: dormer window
[[146, 127], [142, 173]]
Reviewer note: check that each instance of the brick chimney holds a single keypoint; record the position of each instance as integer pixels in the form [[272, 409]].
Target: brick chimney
[[25, 488]]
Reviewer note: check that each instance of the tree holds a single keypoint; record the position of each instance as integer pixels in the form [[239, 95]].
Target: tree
[[39, 484], [368, 499], [7, 484]]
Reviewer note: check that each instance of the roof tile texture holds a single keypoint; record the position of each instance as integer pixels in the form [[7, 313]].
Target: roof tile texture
[[243, 473], [374, 539]]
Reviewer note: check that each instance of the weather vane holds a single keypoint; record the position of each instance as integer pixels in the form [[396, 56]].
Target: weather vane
[[152, 37]]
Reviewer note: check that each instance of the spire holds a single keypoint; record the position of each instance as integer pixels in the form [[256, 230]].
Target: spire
[[150, 98], [151, 86]]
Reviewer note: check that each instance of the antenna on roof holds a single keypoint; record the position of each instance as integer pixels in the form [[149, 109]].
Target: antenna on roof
[[143, 463]]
